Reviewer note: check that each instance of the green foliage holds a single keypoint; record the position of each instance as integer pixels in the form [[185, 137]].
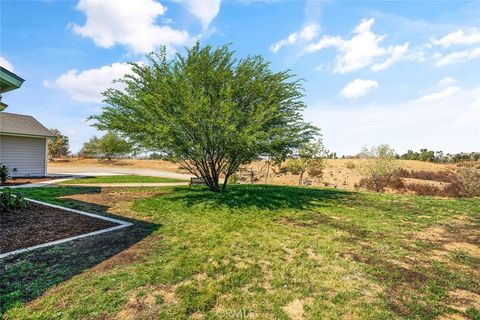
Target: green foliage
[[4, 173], [439, 156], [59, 145], [90, 148], [208, 110], [310, 158], [11, 201], [379, 168], [109, 145]]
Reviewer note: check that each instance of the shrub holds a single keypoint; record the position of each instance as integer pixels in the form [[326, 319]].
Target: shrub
[[381, 182], [379, 169], [11, 201], [350, 165], [3, 173], [469, 182]]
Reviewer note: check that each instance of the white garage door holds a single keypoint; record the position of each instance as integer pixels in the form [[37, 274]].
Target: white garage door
[[27, 155]]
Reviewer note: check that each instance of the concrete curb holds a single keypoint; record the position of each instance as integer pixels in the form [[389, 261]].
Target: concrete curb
[[41, 184]]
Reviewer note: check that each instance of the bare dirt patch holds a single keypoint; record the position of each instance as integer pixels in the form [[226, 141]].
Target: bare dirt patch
[[295, 309], [118, 200], [462, 300], [471, 249], [145, 302], [41, 224]]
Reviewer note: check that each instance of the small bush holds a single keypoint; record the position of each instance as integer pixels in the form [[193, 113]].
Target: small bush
[[378, 170], [3, 173], [379, 184], [469, 182], [11, 201], [396, 183], [350, 165]]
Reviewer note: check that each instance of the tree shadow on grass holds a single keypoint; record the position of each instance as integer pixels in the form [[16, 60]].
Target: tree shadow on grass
[[262, 197], [25, 276]]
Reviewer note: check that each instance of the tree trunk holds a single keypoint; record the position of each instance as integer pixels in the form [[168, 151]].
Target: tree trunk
[[268, 169], [212, 183], [224, 187], [300, 181]]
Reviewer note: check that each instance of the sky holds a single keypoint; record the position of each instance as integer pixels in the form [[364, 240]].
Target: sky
[[403, 73]]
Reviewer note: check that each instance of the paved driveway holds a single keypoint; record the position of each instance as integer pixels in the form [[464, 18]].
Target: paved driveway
[[103, 171]]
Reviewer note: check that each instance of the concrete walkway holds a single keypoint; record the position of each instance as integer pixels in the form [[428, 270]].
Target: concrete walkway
[[41, 184]]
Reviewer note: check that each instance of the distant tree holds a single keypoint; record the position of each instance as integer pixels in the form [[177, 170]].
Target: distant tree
[[59, 145], [378, 169], [108, 146], [90, 148], [310, 158], [208, 110], [427, 155], [410, 155], [111, 145]]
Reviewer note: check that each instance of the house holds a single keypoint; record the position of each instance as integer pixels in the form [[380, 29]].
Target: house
[[23, 140]]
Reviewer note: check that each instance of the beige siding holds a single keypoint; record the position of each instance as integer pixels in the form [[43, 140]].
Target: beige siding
[[25, 154]]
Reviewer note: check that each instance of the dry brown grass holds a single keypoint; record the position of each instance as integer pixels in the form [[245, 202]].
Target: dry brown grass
[[339, 173]]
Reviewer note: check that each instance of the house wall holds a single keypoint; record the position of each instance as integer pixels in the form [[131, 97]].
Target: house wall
[[26, 154]]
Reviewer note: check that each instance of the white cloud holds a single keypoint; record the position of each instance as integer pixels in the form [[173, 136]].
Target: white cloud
[[447, 124], [6, 64], [129, 23], [439, 95], [457, 56], [358, 88], [87, 85], [447, 81], [397, 53], [204, 10], [308, 33], [361, 50], [472, 36]]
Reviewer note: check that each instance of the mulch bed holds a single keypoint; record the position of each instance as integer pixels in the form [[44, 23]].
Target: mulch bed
[[27, 180], [41, 224]]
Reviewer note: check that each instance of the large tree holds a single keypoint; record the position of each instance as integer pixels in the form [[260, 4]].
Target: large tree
[[208, 110], [107, 146], [111, 145], [90, 148], [59, 145]]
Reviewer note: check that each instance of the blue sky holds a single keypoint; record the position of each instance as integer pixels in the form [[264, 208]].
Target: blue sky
[[405, 73]]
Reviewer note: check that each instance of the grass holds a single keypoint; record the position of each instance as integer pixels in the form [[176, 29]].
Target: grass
[[123, 179], [261, 252]]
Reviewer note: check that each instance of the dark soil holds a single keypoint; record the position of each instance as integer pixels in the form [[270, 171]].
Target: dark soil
[[40, 224]]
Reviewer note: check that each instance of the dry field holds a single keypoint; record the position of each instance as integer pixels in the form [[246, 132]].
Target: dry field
[[340, 173]]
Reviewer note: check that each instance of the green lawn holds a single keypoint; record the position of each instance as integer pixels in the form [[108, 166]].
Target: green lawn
[[123, 179], [262, 252]]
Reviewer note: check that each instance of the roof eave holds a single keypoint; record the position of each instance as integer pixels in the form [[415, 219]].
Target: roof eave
[[26, 135]]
